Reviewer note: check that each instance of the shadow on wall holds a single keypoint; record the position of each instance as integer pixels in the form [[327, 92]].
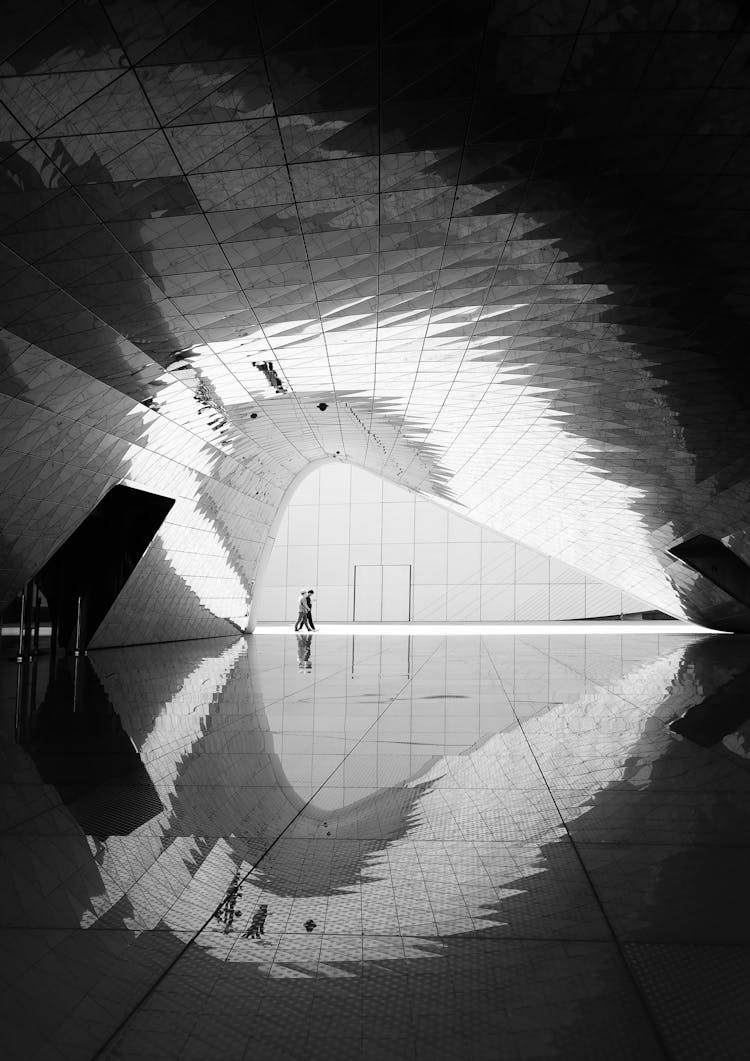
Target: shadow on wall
[[168, 616], [85, 575]]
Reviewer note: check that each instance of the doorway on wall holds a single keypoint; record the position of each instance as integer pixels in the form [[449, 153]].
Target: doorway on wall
[[382, 593]]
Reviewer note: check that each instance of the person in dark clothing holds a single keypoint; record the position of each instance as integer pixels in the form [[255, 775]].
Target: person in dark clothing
[[304, 611], [309, 597], [227, 911], [257, 925]]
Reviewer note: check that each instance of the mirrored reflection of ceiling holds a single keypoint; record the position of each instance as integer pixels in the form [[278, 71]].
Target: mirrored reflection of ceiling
[[493, 252], [457, 788], [312, 789]]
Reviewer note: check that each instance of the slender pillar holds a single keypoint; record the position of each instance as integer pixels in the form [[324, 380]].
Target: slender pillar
[[53, 636], [24, 624], [80, 638], [37, 611], [22, 678], [79, 681], [21, 627]]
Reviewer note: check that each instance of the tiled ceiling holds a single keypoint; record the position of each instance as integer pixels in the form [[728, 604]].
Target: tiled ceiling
[[503, 243]]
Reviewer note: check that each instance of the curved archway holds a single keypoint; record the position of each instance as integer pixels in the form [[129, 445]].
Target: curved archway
[[270, 541], [377, 551]]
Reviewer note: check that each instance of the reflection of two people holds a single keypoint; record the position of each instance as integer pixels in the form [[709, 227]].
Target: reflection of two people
[[304, 643], [257, 926], [227, 911]]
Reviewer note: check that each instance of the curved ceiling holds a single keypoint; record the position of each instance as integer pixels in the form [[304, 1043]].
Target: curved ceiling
[[502, 244]]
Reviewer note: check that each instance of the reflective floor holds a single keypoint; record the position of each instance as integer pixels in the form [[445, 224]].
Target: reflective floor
[[378, 847]]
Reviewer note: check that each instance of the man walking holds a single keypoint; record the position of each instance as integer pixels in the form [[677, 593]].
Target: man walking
[[304, 610], [310, 623]]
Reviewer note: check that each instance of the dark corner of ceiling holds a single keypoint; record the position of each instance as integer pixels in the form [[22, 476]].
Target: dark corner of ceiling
[[722, 567]]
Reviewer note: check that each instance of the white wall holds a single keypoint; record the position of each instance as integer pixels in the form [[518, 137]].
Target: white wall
[[341, 516]]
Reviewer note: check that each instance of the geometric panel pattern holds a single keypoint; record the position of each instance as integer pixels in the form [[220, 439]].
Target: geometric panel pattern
[[504, 247], [493, 840]]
